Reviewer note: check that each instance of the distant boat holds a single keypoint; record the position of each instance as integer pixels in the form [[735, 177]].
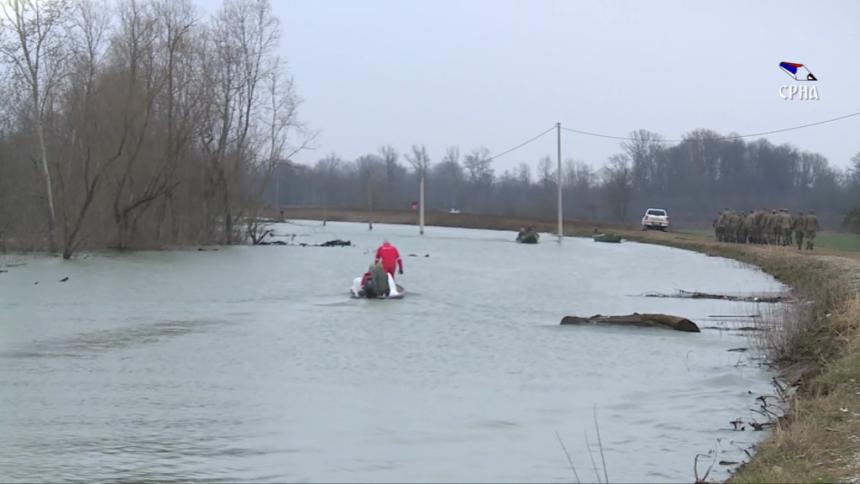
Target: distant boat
[[611, 238], [528, 237]]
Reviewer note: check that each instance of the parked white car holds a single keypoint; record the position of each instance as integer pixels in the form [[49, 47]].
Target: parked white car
[[655, 218]]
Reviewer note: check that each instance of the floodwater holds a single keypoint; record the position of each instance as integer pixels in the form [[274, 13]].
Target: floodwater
[[251, 364]]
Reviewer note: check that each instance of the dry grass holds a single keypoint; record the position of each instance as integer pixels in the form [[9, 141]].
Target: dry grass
[[816, 344]]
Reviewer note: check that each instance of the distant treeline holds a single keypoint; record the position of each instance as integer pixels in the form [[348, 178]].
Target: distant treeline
[[693, 180]]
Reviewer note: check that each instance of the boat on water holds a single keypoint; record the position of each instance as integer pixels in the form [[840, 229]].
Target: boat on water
[[528, 236], [610, 238], [401, 293], [357, 292]]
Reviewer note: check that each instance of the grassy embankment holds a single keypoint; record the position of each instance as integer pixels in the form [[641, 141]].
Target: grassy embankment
[[819, 438]]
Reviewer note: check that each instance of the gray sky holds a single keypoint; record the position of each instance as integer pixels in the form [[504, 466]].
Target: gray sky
[[495, 73]]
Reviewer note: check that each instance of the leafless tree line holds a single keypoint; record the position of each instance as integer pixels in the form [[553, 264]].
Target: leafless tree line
[[693, 180], [137, 124]]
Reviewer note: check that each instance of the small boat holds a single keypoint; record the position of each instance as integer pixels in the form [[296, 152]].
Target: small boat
[[401, 293], [357, 292], [611, 238], [528, 236]]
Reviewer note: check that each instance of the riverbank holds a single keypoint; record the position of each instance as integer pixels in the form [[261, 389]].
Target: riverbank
[[819, 438]]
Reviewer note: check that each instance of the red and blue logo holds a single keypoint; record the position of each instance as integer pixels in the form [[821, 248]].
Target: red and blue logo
[[798, 72]]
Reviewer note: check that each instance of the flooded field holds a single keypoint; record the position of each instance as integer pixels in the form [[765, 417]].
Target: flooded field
[[252, 364]]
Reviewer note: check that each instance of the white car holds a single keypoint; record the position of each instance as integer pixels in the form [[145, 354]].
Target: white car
[[655, 218]]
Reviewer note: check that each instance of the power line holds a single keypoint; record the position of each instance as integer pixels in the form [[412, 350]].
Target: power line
[[625, 138], [520, 145]]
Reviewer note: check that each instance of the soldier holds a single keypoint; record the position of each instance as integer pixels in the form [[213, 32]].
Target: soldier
[[743, 229], [797, 225], [766, 233], [756, 227], [774, 228], [718, 233], [733, 226], [810, 229], [785, 227], [723, 224]]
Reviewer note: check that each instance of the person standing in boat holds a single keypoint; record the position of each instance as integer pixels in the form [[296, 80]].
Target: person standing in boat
[[388, 255]]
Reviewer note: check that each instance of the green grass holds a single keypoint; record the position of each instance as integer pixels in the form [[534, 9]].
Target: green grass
[[827, 240]]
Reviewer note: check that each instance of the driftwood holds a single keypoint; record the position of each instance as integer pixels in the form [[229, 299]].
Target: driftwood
[[336, 243], [330, 243], [645, 320], [724, 297]]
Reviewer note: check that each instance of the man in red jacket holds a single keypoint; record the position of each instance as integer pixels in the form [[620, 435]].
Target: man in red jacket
[[390, 258]]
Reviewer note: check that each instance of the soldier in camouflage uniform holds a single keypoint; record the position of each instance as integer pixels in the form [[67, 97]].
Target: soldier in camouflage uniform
[[718, 228], [785, 227], [774, 228], [724, 225], [743, 230], [756, 227], [734, 221], [797, 226], [810, 228], [759, 226]]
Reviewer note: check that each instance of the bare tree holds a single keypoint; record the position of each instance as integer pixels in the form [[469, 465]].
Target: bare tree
[[479, 166], [618, 185], [394, 174], [546, 172], [452, 155], [31, 43], [136, 50], [240, 44], [281, 123], [87, 158], [419, 160], [642, 149], [524, 174]]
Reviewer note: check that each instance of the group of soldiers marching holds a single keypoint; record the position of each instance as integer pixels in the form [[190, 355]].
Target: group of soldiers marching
[[771, 227]]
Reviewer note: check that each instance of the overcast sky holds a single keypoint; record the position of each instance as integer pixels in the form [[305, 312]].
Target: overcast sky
[[496, 73]]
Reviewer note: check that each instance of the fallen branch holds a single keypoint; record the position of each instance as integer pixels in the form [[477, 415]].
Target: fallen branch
[[643, 320], [330, 243], [681, 294]]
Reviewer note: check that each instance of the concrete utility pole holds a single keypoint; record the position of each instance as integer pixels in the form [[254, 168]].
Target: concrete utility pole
[[560, 219], [421, 204]]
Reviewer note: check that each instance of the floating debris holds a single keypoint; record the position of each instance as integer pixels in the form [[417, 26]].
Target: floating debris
[[681, 294], [336, 243], [645, 320]]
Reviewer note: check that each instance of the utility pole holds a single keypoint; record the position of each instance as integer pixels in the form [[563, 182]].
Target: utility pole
[[560, 219], [278, 194], [421, 204]]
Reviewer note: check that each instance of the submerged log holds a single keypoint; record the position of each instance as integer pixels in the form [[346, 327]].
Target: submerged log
[[681, 294], [645, 320], [336, 243]]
